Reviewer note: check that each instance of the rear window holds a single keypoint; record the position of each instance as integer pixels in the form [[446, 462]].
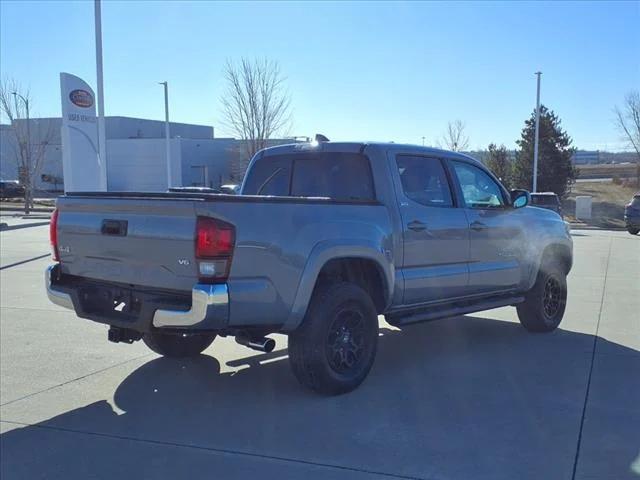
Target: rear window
[[340, 176]]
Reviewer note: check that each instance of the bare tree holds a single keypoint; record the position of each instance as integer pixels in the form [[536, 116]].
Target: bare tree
[[628, 122], [256, 105], [31, 138], [455, 137]]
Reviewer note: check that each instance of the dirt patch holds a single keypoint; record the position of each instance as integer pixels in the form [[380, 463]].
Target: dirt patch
[[609, 200]]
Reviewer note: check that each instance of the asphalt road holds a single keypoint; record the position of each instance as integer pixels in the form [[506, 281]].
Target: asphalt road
[[475, 397]]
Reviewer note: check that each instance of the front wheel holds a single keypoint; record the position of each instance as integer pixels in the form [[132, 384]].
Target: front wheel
[[334, 348], [633, 230], [177, 345], [544, 304]]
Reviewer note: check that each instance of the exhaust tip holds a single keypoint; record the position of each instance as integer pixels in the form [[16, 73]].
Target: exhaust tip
[[262, 344]]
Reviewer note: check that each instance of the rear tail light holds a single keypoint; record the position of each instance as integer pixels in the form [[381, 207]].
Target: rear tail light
[[53, 235], [215, 240]]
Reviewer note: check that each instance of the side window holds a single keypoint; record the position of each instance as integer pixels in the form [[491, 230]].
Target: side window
[[424, 180], [478, 189], [340, 176], [269, 176]]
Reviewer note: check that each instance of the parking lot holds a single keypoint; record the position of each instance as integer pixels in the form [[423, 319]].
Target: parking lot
[[475, 397]]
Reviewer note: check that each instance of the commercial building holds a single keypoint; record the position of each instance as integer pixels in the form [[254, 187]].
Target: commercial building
[[136, 154]]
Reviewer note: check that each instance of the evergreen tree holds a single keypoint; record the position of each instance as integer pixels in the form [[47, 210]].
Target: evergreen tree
[[497, 160], [555, 170]]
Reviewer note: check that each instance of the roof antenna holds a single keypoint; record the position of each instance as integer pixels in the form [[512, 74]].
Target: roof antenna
[[321, 138]]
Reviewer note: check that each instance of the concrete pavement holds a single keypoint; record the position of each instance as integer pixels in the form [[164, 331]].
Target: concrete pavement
[[471, 397]]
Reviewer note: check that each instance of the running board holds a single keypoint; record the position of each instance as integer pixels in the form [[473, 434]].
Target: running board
[[436, 312]]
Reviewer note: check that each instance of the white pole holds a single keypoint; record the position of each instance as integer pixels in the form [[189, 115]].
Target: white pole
[[535, 142], [102, 140], [167, 137]]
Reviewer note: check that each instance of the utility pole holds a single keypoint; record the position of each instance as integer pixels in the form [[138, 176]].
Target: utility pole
[[167, 137], [535, 141], [102, 137], [27, 172]]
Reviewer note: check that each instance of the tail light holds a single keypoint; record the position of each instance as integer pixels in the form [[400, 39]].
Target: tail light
[[53, 235], [215, 240]]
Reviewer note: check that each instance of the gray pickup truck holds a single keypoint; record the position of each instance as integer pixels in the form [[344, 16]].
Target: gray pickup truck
[[323, 238]]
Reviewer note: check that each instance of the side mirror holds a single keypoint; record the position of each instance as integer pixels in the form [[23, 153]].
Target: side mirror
[[520, 198]]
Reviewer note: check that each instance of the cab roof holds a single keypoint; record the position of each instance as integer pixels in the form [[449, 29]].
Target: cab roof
[[355, 147]]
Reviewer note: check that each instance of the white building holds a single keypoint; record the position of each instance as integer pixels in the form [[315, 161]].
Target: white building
[[136, 158]]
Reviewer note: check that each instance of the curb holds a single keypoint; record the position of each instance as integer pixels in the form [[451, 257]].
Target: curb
[[5, 228]]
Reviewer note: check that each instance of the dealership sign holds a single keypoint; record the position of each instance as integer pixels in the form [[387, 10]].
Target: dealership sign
[[81, 98], [82, 166]]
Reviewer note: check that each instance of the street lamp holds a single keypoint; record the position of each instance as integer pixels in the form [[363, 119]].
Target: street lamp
[[535, 141], [27, 172], [166, 133]]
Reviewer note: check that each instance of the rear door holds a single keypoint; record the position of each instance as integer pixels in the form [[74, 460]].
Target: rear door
[[496, 240], [435, 230]]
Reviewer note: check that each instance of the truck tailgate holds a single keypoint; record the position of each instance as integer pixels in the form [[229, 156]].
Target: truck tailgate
[[138, 241]]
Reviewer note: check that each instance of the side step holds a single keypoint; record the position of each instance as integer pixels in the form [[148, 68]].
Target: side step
[[435, 312]]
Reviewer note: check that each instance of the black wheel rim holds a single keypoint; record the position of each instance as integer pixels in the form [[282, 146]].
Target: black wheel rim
[[553, 297], [345, 340]]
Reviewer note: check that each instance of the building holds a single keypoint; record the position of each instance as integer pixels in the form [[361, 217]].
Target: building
[[586, 157], [136, 154]]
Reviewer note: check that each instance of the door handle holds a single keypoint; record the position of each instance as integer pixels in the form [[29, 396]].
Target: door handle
[[417, 226], [477, 226]]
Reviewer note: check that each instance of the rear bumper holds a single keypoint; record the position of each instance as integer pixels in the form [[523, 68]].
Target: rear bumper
[[632, 221], [208, 310]]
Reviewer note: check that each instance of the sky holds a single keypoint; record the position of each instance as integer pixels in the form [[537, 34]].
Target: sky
[[354, 70]]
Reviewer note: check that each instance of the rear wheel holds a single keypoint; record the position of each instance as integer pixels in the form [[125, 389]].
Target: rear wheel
[[334, 348], [544, 304], [633, 231], [177, 345]]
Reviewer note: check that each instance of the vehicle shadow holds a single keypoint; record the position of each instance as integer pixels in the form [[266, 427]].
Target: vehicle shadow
[[462, 398]]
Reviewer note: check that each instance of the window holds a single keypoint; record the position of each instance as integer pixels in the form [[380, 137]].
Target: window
[[478, 188], [424, 180], [269, 176], [341, 176]]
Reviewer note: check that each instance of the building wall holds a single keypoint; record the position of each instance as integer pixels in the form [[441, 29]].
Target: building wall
[[140, 164], [206, 163]]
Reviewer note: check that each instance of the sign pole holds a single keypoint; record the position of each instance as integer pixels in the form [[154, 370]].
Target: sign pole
[[102, 140]]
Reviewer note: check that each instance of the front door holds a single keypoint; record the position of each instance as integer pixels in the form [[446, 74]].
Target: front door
[[435, 231], [496, 236]]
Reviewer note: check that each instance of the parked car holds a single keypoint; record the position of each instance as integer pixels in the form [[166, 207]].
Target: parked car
[[632, 215], [230, 189], [323, 238], [11, 189], [548, 200], [193, 190]]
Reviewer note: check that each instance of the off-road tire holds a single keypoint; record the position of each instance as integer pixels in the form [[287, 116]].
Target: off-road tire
[[340, 328], [545, 303], [177, 345]]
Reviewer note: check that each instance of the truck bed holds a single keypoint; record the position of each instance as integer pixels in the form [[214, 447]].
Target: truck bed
[[153, 242]]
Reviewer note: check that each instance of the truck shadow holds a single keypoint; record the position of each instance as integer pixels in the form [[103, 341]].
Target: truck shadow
[[468, 397]]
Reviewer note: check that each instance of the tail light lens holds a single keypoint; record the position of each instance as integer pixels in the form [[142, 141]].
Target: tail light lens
[[215, 240], [53, 235]]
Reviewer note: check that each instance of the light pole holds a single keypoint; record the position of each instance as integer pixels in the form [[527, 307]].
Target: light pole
[[423, 141], [167, 143], [535, 141], [27, 168]]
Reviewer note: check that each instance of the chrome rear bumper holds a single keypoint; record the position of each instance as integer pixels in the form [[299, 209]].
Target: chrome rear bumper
[[209, 305]]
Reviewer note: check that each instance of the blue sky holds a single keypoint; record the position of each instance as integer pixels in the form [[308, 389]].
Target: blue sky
[[355, 71]]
